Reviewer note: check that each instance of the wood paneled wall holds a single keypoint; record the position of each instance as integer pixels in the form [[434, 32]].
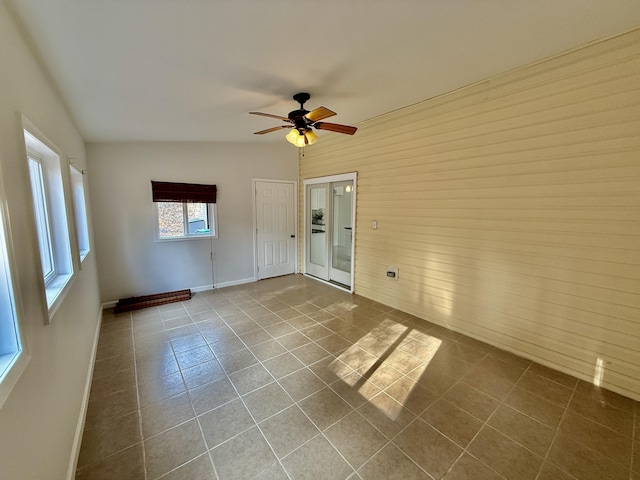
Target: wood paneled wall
[[512, 209]]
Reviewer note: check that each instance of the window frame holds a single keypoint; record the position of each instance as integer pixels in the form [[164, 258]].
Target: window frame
[[64, 245], [212, 212], [11, 368], [80, 212], [42, 211]]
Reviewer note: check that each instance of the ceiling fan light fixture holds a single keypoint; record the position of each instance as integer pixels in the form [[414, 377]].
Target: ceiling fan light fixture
[[295, 138], [311, 136], [292, 136]]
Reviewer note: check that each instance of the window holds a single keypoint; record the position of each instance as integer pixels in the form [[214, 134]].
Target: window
[[82, 228], [41, 212], [184, 210], [13, 351], [50, 213], [177, 220]]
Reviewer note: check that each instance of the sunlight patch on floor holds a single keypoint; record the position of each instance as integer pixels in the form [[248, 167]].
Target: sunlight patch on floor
[[381, 357]]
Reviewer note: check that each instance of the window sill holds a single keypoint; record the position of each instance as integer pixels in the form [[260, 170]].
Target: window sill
[[11, 367], [56, 291], [6, 361], [179, 239]]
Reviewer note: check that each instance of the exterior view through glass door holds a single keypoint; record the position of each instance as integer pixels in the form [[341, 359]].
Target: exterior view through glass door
[[317, 238], [330, 208], [341, 235]]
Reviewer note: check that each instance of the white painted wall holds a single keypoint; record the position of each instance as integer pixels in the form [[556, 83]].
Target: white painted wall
[[39, 419], [130, 261]]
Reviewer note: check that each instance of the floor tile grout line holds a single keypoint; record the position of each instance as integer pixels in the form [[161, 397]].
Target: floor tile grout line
[[390, 443], [567, 410], [296, 403], [183, 464], [173, 396], [321, 434], [196, 416], [601, 425], [135, 371], [197, 419], [353, 409], [419, 417], [484, 422], [290, 351], [300, 329], [403, 375], [97, 461], [257, 425], [557, 432]]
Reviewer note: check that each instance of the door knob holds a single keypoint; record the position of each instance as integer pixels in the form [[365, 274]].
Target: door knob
[[293, 236]]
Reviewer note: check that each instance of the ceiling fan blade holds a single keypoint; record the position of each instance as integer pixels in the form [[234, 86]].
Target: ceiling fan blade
[[319, 113], [334, 127], [284, 119], [273, 129]]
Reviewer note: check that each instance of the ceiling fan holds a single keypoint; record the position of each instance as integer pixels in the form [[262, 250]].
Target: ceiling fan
[[303, 120]]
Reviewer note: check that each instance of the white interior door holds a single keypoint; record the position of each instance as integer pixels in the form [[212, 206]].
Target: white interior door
[[275, 228]]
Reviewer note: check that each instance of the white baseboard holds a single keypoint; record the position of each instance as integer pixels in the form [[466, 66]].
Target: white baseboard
[[236, 282], [77, 439], [204, 288]]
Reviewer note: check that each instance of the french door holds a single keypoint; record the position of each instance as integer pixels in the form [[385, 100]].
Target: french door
[[329, 228]]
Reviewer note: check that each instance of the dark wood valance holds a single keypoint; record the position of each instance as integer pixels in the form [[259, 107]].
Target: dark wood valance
[[183, 192]]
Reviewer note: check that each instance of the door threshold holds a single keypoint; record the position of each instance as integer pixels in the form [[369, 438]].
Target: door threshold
[[333, 283]]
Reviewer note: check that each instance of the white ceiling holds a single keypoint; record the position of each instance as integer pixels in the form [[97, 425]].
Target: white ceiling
[[190, 70]]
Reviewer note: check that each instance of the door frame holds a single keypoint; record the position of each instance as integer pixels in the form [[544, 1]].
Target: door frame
[[254, 181], [329, 179]]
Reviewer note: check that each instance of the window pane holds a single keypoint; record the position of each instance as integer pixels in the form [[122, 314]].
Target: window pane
[[170, 219], [198, 217], [42, 218], [50, 212], [9, 339], [81, 212]]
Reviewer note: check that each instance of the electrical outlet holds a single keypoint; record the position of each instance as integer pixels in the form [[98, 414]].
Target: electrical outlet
[[392, 273]]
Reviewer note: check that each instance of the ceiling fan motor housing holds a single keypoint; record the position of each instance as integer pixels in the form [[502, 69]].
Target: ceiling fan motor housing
[[298, 119]]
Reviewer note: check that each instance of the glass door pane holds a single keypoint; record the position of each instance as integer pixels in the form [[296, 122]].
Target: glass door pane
[[317, 236], [341, 232]]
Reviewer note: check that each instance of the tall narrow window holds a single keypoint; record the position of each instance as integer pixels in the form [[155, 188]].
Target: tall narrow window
[[13, 351], [41, 212], [50, 213], [82, 227]]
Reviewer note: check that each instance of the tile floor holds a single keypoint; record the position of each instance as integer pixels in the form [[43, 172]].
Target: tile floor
[[289, 378]]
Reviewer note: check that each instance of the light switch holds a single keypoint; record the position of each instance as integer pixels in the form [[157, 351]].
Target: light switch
[[375, 224]]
